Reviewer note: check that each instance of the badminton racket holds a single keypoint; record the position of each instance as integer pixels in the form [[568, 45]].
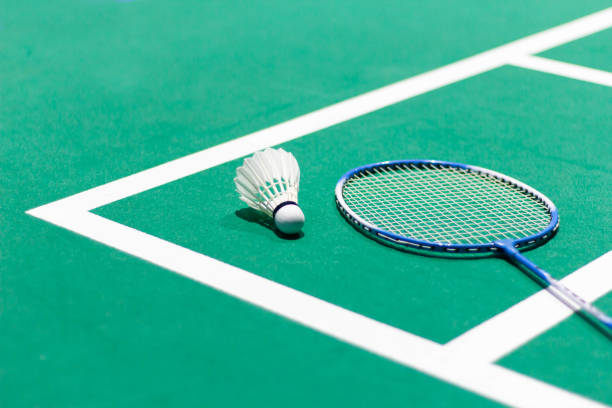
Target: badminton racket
[[449, 207]]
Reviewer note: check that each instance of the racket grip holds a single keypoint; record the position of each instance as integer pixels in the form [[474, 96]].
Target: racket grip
[[561, 291]]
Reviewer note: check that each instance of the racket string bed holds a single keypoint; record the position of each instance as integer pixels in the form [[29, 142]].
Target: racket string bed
[[460, 204]]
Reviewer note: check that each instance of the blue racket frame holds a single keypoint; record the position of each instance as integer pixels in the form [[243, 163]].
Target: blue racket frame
[[529, 241], [509, 247]]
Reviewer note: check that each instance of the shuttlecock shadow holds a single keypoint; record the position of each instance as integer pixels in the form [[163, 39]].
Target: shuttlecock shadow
[[251, 215]]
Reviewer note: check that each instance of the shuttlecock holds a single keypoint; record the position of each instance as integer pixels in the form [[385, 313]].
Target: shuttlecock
[[269, 182]]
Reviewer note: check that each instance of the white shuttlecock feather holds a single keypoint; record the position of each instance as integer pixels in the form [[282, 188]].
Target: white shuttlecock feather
[[269, 182]]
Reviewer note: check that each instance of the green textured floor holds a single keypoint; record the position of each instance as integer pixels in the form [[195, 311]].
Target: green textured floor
[[92, 91]]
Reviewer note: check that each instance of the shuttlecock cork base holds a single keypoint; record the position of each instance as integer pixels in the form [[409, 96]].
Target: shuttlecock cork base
[[269, 182], [289, 218]]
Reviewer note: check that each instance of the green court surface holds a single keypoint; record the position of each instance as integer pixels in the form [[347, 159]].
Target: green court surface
[[137, 277]]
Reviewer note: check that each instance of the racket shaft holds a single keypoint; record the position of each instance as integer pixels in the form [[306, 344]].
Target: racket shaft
[[560, 291], [580, 302]]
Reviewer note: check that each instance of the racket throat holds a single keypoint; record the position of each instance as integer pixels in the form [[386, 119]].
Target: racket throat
[[507, 246]]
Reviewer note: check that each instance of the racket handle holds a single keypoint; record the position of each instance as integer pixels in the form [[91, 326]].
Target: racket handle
[[561, 291]]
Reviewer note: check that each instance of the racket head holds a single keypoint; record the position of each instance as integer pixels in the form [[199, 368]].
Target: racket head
[[451, 189]]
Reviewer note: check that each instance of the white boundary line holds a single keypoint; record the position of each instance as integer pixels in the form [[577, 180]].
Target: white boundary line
[[573, 71], [479, 376]]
